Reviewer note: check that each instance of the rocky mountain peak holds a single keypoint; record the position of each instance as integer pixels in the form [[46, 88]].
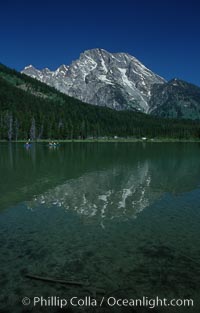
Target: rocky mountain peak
[[116, 80]]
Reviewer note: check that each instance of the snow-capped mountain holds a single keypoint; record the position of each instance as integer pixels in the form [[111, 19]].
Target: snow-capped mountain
[[115, 80]]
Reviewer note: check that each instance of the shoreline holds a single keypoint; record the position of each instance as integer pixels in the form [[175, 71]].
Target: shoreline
[[133, 140]]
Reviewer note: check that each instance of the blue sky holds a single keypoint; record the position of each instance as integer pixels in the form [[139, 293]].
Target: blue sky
[[164, 35]]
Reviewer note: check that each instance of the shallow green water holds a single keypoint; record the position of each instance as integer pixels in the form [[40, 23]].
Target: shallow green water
[[123, 216]]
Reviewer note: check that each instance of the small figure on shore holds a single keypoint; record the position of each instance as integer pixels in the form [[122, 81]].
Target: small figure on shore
[[28, 144]]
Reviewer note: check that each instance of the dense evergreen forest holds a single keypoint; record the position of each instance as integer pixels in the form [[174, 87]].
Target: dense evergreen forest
[[31, 109]]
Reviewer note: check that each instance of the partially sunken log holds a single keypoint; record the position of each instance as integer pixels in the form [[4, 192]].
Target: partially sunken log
[[67, 282]]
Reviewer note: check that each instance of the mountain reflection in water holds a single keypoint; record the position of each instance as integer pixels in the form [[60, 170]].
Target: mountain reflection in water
[[117, 193], [70, 213], [124, 190]]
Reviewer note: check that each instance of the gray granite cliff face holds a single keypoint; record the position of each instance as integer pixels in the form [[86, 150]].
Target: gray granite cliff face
[[115, 80]]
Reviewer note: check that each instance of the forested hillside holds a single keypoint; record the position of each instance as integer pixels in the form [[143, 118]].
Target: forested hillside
[[31, 109], [175, 99]]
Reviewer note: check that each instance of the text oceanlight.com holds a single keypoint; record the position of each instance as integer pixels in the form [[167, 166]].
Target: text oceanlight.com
[[103, 301]]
